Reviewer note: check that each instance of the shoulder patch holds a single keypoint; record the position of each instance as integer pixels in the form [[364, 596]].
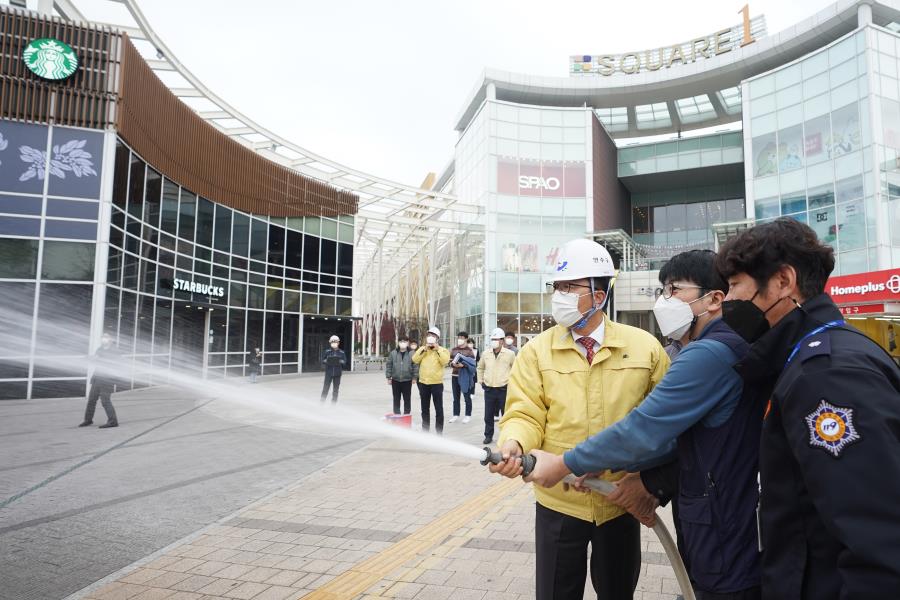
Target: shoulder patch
[[831, 428]]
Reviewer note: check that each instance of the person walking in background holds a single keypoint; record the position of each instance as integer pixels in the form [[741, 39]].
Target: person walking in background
[[494, 368], [511, 342], [333, 360], [461, 349], [401, 371], [103, 383], [475, 352], [255, 359], [432, 359]]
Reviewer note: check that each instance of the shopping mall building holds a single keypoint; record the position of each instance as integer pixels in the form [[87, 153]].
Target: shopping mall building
[[123, 211], [659, 151]]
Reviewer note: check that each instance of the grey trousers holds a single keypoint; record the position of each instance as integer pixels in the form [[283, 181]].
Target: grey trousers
[[103, 393]]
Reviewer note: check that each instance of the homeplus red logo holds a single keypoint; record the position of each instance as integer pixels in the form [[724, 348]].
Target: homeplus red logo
[[865, 287]]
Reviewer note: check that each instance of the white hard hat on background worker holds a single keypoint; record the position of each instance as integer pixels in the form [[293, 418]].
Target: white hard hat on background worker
[[434, 331], [334, 338], [498, 334]]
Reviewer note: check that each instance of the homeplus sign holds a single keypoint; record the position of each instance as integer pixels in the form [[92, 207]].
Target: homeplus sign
[[876, 286]]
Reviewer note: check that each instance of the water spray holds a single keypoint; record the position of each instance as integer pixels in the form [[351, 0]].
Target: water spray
[[604, 487]]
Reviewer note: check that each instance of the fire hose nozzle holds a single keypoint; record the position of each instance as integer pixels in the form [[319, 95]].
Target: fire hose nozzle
[[495, 458]]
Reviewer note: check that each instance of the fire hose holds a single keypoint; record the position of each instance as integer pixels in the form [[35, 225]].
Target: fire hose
[[605, 487]]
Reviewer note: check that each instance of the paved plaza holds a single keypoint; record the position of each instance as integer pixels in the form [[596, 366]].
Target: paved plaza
[[199, 508]]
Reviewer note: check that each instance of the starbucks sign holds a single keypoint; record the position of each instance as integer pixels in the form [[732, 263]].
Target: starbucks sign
[[50, 59]]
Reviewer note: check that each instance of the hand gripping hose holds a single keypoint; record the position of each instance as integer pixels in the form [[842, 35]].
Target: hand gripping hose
[[605, 487]]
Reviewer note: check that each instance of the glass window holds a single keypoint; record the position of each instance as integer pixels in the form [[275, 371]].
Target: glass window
[[205, 211], [790, 148], [851, 225], [816, 139], [765, 155], [136, 187], [821, 196], [310, 253], [675, 217], [735, 210], [240, 234], [71, 261], [75, 209], [345, 260], [846, 134], [294, 249], [822, 222], [20, 205], [640, 219], [17, 226], [767, 208], [169, 222], [64, 319], [329, 257], [187, 210], [18, 259], [276, 245], [120, 175], [258, 232], [223, 228], [152, 197], [76, 230], [793, 203], [848, 189]]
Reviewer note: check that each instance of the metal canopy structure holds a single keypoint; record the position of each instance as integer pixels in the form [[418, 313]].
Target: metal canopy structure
[[394, 220]]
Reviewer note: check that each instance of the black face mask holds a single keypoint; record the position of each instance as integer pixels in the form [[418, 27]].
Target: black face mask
[[747, 319]]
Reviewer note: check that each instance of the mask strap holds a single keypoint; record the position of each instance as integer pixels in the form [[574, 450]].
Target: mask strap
[[594, 307]]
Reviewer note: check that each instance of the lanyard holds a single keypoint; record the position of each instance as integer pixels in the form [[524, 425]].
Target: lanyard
[[829, 325]]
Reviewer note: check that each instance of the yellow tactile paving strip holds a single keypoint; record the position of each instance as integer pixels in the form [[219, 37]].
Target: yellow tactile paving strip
[[372, 570]]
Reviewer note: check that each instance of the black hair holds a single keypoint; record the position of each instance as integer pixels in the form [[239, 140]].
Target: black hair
[[403, 338], [462, 334], [470, 341], [762, 250], [696, 266], [509, 334], [601, 284]]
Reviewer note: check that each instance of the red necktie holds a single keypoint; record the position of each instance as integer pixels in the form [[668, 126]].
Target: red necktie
[[588, 343]]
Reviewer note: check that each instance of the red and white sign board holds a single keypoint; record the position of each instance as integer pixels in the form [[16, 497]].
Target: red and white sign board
[[865, 309], [864, 288], [536, 178]]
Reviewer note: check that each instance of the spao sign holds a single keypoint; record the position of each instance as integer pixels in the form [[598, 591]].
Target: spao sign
[[534, 182], [708, 46], [50, 59], [522, 177], [193, 287]]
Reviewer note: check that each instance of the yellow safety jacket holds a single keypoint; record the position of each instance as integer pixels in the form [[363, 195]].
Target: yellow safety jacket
[[555, 400], [494, 369], [431, 364]]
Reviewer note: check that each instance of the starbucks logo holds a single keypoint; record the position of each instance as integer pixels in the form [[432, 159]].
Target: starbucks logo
[[50, 59]]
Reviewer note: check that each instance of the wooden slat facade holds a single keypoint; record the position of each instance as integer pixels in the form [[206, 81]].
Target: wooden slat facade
[[86, 99], [114, 87], [174, 139]]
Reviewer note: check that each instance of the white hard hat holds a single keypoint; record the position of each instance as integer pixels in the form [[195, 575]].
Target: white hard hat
[[498, 334], [435, 331], [334, 338], [582, 258]]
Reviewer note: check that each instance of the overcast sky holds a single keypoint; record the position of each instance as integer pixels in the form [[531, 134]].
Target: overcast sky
[[377, 85]]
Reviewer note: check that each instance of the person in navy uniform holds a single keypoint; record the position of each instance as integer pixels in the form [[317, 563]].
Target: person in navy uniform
[[333, 360], [829, 514]]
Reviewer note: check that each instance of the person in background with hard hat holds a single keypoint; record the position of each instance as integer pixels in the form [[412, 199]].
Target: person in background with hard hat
[[333, 360], [432, 358], [494, 368], [567, 384], [401, 371]]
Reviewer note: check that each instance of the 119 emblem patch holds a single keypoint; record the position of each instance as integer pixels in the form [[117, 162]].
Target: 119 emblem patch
[[831, 428]]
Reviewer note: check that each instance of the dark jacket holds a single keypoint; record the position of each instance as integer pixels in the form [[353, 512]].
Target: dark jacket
[[334, 361], [400, 367], [717, 487], [829, 459], [254, 361], [107, 363], [465, 352]]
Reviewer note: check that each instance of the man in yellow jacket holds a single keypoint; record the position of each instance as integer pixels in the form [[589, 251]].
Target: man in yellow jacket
[[570, 382], [432, 358]]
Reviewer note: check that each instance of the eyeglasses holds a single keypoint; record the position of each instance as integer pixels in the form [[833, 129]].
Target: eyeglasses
[[564, 286], [668, 290]]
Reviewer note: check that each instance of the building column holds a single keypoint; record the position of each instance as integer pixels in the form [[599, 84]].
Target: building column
[[864, 15]]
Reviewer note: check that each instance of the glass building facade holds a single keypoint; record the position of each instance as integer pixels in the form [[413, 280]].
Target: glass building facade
[[182, 282]]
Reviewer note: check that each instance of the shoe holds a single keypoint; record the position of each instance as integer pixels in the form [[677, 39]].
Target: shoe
[[466, 419], [86, 423], [454, 418], [487, 441], [108, 425], [496, 419]]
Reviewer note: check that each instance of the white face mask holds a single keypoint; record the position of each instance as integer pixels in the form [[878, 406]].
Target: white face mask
[[403, 345], [334, 345], [461, 342], [564, 308], [431, 339], [495, 343], [675, 316], [509, 341]]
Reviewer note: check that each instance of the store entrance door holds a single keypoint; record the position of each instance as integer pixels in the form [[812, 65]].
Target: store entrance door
[[189, 339], [316, 331]]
